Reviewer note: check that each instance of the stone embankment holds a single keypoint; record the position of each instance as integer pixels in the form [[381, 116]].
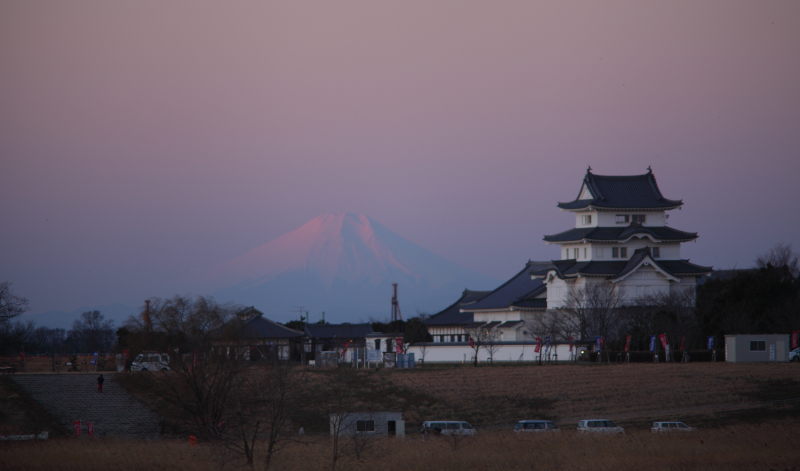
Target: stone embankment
[[70, 397]]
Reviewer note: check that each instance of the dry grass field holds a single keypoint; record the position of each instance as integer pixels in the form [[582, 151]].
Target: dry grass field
[[504, 394], [768, 446], [492, 398]]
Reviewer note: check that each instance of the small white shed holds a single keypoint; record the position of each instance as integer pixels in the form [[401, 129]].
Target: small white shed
[[368, 423], [757, 348]]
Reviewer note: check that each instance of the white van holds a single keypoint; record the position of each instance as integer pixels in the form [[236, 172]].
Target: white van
[[151, 362], [445, 427], [536, 426], [671, 427], [599, 426]]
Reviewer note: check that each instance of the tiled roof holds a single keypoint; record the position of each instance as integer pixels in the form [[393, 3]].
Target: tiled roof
[[533, 300], [259, 327], [509, 324], [622, 192], [340, 331], [572, 268], [520, 285], [452, 315], [251, 324], [619, 234]]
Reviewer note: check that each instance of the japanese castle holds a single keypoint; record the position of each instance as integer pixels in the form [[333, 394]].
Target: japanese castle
[[620, 237]]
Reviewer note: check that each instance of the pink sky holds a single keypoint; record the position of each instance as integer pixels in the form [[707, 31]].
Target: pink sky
[[143, 140]]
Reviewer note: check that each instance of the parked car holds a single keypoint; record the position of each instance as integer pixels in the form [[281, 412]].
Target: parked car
[[536, 426], [445, 427], [794, 355], [151, 362], [599, 426], [671, 427]]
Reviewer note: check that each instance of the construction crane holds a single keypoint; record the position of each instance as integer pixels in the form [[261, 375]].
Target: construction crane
[[396, 316]]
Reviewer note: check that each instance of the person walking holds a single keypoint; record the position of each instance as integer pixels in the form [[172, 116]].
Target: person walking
[[100, 381]]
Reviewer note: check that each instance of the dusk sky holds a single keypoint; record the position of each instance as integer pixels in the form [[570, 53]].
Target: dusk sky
[[144, 140]]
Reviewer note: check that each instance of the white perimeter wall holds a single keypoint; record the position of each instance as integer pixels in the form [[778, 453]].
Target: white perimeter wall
[[463, 353]]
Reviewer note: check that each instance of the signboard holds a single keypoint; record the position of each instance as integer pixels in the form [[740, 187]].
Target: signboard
[[627, 342], [76, 427], [90, 429], [571, 343], [373, 355], [652, 343], [711, 342]]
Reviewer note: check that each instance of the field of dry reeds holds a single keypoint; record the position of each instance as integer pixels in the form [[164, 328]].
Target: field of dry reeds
[[504, 394], [767, 446]]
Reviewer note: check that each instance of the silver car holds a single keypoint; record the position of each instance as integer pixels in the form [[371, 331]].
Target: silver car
[[794, 355], [599, 426], [660, 427], [535, 426]]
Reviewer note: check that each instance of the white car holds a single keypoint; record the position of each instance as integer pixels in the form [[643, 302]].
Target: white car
[[536, 426], [671, 427], [794, 355], [447, 427], [599, 426], [151, 362]]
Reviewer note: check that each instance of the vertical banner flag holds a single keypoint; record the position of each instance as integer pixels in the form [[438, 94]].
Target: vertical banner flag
[[547, 343], [598, 342], [538, 345], [795, 340], [652, 343], [711, 342], [663, 338], [346, 344], [194, 360], [90, 429], [22, 356], [398, 345], [192, 440], [94, 357], [471, 343], [683, 338], [76, 427], [571, 343], [627, 342]]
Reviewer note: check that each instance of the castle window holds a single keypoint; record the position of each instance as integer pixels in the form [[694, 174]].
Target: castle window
[[623, 218], [623, 252], [584, 252], [614, 252], [656, 252], [587, 220], [640, 218]]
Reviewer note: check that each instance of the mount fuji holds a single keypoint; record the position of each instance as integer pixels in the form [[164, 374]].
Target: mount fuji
[[344, 265]]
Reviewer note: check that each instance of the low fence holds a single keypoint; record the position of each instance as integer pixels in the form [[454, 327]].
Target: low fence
[[59, 363]]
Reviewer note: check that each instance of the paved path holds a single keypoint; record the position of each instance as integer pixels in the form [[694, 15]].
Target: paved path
[[70, 397]]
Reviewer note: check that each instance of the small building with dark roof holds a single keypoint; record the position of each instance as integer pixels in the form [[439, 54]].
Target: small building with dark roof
[[448, 324], [256, 338], [335, 337]]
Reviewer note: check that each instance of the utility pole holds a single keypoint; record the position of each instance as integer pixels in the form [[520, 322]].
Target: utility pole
[[396, 316]]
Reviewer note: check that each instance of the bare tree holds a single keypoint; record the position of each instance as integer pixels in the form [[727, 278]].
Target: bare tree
[[781, 255], [92, 332], [11, 305], [482, 337], [594, 310], [670, 312], [492, 343]]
